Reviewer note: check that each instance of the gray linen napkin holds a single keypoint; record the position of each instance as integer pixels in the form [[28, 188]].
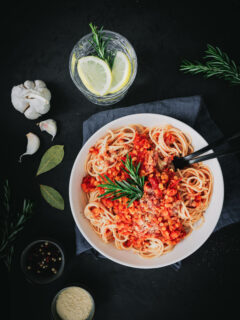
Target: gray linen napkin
[[192, 111]]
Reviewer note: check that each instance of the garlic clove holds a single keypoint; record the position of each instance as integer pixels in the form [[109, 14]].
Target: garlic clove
[[19, 103], [50, 126], [29, 84], [31, 114], [40, 106], [32, 145], [40, 84]]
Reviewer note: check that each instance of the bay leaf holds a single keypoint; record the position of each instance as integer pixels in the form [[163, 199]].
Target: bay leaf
[[51, 158], [52, 197]]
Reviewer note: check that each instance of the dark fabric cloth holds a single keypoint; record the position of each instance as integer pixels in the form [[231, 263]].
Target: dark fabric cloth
[[193, 112]]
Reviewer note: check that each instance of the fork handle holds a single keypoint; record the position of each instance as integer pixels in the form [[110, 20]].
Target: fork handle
[[212, 145], [214, 155]]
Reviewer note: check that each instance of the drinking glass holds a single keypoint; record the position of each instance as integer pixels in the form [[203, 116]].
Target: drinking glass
[[83, 48]]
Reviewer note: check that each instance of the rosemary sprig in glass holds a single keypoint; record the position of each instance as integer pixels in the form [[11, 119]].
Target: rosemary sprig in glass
[[219, 64], [11, 224], [100, 45], [132, 188]]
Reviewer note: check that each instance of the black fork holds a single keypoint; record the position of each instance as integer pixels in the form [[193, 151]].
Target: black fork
[[182, 162]]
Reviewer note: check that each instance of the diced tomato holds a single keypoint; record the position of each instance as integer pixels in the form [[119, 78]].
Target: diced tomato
[[152, 216], [88, 184], [169, 138]]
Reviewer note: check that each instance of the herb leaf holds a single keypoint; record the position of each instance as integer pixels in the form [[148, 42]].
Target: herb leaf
[[51, 158], [52, 197], [219, 64], [132, 188], [11, 224], [100, 45]]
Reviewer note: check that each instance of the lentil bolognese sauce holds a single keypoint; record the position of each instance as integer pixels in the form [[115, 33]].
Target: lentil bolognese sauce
[[163, 209]]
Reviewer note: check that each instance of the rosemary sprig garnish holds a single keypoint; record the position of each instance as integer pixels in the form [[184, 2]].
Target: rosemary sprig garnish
[[100, 45], [11, 224], [219, 64], [132, 188]]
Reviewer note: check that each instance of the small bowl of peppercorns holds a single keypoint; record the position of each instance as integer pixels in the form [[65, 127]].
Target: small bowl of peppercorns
[[42, 261]]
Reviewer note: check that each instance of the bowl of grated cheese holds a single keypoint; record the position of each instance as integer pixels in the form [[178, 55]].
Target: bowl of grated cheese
[[73, 303]]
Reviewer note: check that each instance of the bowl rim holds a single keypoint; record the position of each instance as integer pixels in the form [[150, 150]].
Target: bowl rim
[[196, 247]]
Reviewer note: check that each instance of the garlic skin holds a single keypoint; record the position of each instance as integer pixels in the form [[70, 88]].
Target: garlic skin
[[31, 98], [50, 126], [32, 145]]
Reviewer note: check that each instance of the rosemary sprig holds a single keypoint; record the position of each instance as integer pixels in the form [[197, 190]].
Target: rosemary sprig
[[11, 224], [219, 64], [132, 188], [100, 45]]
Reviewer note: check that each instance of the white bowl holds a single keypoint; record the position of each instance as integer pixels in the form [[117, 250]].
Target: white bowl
[[128, 258]]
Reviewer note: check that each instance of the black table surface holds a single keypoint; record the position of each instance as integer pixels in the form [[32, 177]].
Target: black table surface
[[37, 38]]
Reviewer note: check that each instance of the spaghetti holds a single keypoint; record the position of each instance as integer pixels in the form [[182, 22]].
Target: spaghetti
[[173, 202]]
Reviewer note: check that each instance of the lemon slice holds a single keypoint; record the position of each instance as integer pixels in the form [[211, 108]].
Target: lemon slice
[[73, 62], [95, 74], [121, 72]]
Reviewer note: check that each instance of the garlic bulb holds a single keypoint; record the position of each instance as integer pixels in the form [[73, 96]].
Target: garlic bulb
[[32, 145], [31, 98], [50, 126]]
